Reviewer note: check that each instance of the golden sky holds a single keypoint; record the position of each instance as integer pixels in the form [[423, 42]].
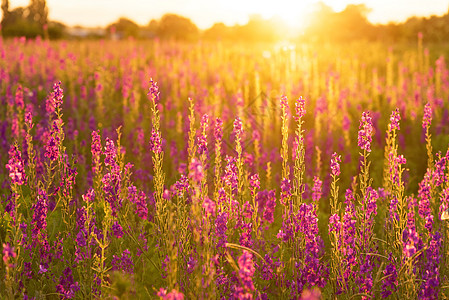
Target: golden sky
[[207, 12]]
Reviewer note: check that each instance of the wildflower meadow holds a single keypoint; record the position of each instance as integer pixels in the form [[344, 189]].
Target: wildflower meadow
[[175, 170]]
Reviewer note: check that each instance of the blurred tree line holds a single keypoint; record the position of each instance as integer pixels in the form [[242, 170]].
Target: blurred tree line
[[325, 25], [30, 21]]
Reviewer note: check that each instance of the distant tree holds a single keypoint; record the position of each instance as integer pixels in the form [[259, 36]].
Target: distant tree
[[56, 30], [176, 27], [124, 28], [5, 11], [38, 12], [30, 21], [218, 31], [350, 24]]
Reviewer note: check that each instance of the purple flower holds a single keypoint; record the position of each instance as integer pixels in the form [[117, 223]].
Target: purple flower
[[246, 270], [15, 166], [54, 101], [54, 142], [431, 269], [202, 139], [58, 94], [110, 153], [335, 166], [270, 204], [29, 116], [67, 287], [300, 108], [111, 187], [365, 132], [334, 223], [427, 117], [238, 127], [254, 183], [284, 103], [316, 189], [312, 294], [40, 209], [218, 129], [285, 190], [209, 206], [155, 141], [196, 171], [221, 226], [390, 282], [140, 200], [123, 263], [8, 252], [153, 91], [95, 150], [230, 176], [19, 97], [394, 119], [173, 295], [117, 229], [89, 196]]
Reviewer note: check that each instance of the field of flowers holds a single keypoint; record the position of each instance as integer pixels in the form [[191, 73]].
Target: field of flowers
[[146, 170]]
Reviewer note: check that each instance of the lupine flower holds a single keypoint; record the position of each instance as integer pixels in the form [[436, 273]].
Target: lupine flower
[[311, 294], [202, 138], [300, 108], [54, 142], [230, 176], [58, 94], [155, 141], [424, 193], [123, 263], [139, 199], [411, 241], [394, 119], [89, 196], [221, 226], [316, 190], [181, 186], [117, 229], [390, 283], [54, 101], [365, 132], [218, 129], [238, 127], [209, 206], [196, 172], [173, 295], [427, 117], [431, 271], [286, 190], [246, 270], [19, 97], [153, 91], [110, 153], [111, 187], [284, 103], [15, 166], [334, 223], [8, 252], [254, 183], [95, 150], [266, 201], [67, 287], [40, 214], [29, 116], [335, 166]]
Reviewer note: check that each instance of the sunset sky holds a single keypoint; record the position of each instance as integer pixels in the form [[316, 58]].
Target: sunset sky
[[207, 12]]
